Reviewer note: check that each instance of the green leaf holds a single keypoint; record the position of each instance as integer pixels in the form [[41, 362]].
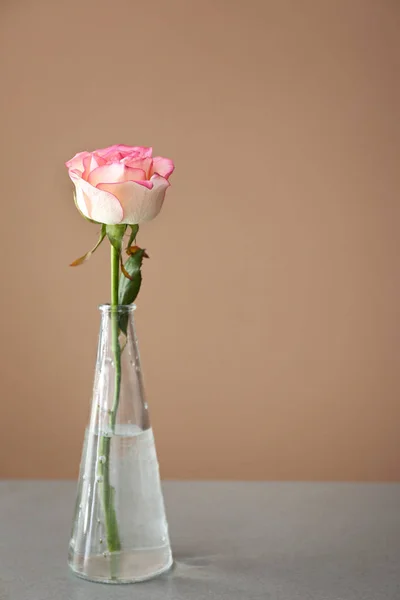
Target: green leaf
[[115, 233], [132, 237], [129, 288], [85, 257]]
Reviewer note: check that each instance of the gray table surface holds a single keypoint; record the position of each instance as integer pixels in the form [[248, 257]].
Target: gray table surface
[[231, 541]]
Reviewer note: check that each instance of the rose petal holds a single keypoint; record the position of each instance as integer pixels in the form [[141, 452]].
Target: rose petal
[[162, 166], [141, 151], [80, 200], [139, 163], [138, 202], [115, 173], [90, 163], [134, 174], [96, 204], [104, 151], [138, 151], [76, 162]]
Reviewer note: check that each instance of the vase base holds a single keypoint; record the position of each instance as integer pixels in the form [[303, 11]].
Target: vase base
[[131, 567]]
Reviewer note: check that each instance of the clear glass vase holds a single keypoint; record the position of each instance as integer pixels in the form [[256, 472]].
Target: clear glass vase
[[119, 532]]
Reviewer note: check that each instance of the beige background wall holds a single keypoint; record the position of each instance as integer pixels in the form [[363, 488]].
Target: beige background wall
[[269, 315]]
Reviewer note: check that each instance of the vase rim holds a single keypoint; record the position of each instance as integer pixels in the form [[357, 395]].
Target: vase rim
[[121, 308]]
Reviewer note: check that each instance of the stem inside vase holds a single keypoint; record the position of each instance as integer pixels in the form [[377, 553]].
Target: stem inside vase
[[106, 490], [116, 349]]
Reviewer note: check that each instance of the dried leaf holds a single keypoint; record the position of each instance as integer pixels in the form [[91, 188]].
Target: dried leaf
[[124, 271], [85, 257], [131, 250]]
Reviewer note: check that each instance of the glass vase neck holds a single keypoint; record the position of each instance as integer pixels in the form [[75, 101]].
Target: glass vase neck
[[107, 309]]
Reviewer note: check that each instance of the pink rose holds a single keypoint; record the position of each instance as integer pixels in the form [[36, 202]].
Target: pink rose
[[120, 184]]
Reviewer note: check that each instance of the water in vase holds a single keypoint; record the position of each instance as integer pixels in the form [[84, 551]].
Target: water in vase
[[138, 503]]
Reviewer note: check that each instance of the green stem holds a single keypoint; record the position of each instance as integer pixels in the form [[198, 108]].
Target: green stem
[[106, 489], [116, 349], [107, 496]]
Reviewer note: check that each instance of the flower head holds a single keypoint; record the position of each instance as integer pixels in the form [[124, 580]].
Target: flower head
[[120, 184]]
